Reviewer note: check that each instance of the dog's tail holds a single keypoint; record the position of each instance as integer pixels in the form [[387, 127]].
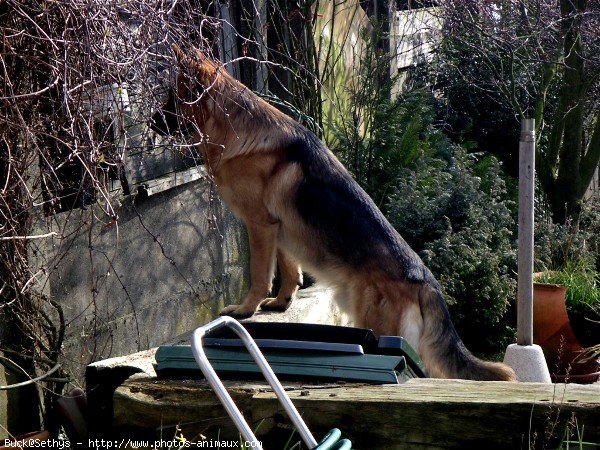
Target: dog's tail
[[442, 350]]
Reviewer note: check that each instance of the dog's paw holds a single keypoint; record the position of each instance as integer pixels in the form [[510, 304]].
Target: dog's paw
[[276, 304], [237, 312]]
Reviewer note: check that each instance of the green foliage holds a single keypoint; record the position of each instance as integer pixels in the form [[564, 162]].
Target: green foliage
[[572, 255], [474, 112], [556, 245], [580, 279], [462, 226], [402, 132]]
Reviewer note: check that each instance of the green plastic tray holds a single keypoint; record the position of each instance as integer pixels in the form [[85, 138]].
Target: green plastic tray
[[177, 360]]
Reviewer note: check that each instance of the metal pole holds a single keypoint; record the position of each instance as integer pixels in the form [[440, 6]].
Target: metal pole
[[263, 365], [525, 257]]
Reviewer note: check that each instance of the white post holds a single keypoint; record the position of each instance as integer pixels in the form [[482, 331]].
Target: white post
[[525, 358], [525, 255]]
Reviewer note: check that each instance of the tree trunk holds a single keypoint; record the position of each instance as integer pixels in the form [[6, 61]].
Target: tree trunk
[[567, 167]]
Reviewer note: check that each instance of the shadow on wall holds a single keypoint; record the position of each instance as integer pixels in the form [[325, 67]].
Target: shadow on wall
[[168, 264]]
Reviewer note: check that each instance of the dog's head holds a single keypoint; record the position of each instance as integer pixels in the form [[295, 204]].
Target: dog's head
[[197, 68], [200, 82], [221, 111]]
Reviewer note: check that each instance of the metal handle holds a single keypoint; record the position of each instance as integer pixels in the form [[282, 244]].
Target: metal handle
[[263, 365]]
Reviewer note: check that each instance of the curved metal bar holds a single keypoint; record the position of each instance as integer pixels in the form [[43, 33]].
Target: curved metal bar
[[263, 365]]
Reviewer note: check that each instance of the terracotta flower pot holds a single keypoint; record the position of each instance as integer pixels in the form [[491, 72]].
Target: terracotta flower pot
[[552, 331]]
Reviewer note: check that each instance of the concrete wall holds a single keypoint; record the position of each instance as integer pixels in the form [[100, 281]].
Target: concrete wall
[[168, 264]]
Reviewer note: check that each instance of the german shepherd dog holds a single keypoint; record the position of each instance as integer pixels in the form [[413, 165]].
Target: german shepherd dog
[[302, 208]]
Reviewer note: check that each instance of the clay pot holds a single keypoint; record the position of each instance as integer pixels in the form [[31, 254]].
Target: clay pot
[[552, 331]]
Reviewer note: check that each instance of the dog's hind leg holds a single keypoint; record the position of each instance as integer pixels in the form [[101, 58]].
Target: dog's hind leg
[[291, 279], [263, 244]]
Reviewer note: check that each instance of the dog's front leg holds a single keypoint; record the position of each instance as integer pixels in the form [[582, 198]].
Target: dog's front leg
[[291, 279], [263, 243]]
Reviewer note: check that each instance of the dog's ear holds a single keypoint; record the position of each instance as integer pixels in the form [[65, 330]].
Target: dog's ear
[[197, 59], [201, 56], [203, 67], [183, 59]]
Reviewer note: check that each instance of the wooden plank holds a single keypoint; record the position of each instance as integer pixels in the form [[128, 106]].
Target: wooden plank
[[440, 414], [422, 413], [415, 33], [172, 180], [152, 403]]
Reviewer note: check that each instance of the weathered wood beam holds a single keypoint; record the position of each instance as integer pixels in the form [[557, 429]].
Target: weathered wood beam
[[422, 413]]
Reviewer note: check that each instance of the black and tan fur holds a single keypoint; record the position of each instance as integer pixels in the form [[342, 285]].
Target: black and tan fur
[[302, 208]]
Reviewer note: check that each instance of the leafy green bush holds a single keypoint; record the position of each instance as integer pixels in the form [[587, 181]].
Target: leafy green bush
[[463, 227], [398, 133], [556, 245]]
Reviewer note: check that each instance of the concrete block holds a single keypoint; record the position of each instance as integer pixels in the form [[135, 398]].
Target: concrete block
[[528, 362]]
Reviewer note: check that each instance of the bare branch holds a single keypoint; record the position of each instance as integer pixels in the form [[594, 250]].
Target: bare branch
[[35, 236]]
